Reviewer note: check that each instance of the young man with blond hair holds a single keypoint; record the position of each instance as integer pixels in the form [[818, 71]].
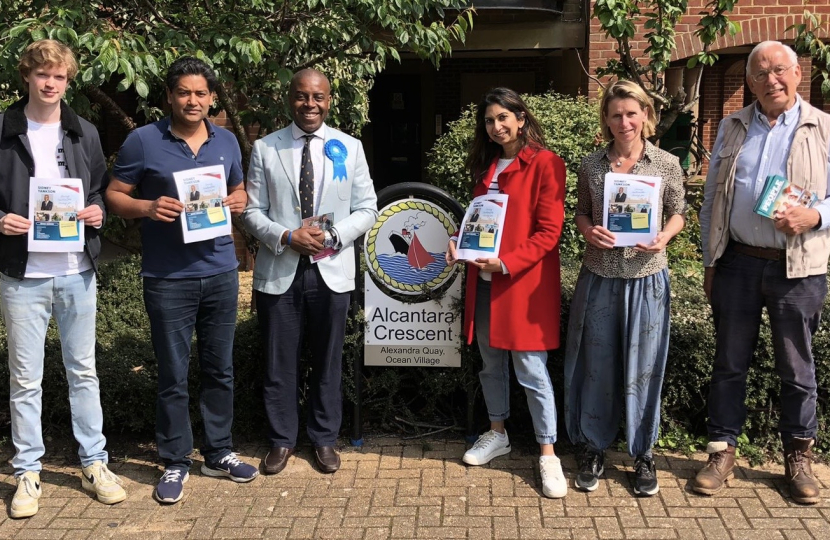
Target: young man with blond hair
[[41, 136]]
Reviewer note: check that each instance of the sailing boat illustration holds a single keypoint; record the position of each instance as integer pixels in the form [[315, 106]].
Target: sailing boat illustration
[[407, 243]]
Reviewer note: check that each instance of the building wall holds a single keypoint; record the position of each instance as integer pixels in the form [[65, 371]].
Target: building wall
[[760, 20], [723, 88]]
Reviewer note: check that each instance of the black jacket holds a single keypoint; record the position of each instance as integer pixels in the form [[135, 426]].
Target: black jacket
[[84, 159]]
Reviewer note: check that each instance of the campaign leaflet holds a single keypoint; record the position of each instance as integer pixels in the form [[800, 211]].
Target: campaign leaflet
[[324, 223], [201, 191], [779, 194], [54, 204], [482, 227], [629, 205]]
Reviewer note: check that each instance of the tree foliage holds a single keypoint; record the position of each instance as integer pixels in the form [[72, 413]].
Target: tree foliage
[[622, 21], [809, 40], [254, 45]]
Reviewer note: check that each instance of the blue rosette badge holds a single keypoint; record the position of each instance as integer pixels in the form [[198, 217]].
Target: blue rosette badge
[[337, 153]]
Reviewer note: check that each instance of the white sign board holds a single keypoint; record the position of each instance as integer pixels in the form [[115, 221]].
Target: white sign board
[[425, 334], [410, 289]]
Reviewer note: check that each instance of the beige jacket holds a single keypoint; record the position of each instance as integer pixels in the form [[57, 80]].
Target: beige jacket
[[807, 253]]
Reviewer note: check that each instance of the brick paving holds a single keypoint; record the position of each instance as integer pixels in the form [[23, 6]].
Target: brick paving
[[404, 489]]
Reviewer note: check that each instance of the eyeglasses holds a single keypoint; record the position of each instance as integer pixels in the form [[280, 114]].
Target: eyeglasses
[[778, 71]]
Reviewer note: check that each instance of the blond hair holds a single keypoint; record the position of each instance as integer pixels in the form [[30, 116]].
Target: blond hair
[[627, 90], [46, 53]]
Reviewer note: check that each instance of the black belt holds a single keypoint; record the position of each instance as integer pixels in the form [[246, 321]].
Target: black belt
[[770, 254]]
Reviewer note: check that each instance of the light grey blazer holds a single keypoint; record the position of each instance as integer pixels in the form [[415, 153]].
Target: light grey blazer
[[274, 207]]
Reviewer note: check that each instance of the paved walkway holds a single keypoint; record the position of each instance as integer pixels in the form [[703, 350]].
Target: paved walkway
[[395, 489]]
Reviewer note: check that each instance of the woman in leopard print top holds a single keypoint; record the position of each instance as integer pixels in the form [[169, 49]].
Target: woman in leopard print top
[[618, 333]]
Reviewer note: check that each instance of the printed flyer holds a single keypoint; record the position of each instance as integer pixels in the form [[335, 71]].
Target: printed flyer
[[480, 233], [628, 208], [202, 191], [54, 204]]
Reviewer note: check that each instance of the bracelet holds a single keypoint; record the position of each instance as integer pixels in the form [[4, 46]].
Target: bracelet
[[288, 243]]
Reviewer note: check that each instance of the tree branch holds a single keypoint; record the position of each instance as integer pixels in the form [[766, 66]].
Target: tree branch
[[329, 54], [585, 70], [630, 63], [98, 96], [158, 15], [232, 111]]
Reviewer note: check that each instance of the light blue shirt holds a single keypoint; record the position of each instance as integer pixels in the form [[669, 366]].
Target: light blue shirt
[[763, 153]]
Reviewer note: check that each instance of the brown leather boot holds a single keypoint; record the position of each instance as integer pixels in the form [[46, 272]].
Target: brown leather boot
[[713, 476], [798, 459]]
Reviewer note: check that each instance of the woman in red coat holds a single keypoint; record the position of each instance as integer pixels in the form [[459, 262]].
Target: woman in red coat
[[513, 300]]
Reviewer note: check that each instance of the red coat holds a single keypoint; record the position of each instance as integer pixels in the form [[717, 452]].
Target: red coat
[[524, 304]]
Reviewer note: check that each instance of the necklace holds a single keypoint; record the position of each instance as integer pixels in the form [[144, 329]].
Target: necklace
[[620, 160]]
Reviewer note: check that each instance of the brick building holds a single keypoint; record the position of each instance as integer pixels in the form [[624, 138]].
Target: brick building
[[539, 45], [529, 45], [723, 89]]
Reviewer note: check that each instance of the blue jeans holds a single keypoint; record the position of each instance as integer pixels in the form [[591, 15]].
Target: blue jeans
[[531, 372], [176, 307], [27, 306], [741, 288]]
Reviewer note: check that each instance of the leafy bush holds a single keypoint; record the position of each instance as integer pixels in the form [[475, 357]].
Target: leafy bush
[[395, 399]]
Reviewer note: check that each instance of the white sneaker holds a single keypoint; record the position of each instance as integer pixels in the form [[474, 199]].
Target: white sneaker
[[490, 445], [554, 485], [24, 503], [101, 481]]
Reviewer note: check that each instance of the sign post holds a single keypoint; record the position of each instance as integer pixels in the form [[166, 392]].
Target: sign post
[[409, 290]]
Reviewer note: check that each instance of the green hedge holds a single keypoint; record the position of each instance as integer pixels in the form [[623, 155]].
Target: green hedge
[[397, 398]]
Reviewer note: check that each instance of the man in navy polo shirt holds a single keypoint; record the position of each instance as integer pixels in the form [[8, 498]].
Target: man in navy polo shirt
[[186, 286]]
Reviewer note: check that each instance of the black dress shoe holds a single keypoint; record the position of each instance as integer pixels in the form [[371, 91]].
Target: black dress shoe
[[276, 460], [328, 461]]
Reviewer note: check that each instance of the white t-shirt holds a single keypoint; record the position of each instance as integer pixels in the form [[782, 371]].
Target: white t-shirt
[[494, 188], [46, 141]]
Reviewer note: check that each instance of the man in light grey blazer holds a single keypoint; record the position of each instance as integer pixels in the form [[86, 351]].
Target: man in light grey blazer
[[305, 170]]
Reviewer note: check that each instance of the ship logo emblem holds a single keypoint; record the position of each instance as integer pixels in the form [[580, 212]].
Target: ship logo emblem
[[405, 250]]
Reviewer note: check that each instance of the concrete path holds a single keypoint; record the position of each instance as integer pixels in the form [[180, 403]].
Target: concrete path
[[412, 489]]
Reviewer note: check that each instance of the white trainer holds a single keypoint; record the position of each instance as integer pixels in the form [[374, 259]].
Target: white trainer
[[98, 479], [554, 485], [490, 445], [24, 502]]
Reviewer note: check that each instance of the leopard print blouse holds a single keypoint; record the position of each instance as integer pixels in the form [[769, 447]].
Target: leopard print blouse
[[624, 262]]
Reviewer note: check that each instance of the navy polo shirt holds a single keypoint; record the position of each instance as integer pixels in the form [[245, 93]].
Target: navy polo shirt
[[147, 160]]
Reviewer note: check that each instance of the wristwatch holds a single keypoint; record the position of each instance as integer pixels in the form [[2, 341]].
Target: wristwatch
[[329, 240]]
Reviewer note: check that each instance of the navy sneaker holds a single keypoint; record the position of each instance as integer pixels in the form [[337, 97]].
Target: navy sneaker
[[230, 467], [592, 468], [171, 486], [645, 477]]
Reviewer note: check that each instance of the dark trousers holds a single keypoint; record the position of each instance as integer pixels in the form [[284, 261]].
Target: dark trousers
[[176, 307], [742, 286], [308, 305]]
